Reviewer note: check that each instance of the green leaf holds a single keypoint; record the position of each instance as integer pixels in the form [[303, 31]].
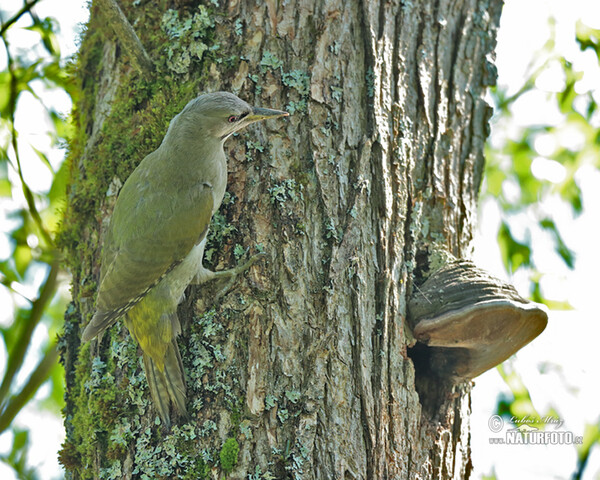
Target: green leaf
[[520, 405], [568, 95], [587, 37], [571, 192], [514, 254], [12, 83], [565, 252], [8, 272], [522, 155], [494, 174], [537, 296], [56, 75], [42, 156], [5, 188], [21, 439], [17, 457], [47, 28], [62, 127], [22, 257], [18, 451], [591, 437], [5, 93], [5, 185], [58, 189]]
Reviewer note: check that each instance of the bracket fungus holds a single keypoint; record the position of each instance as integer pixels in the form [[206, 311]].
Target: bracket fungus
[[471, 320]]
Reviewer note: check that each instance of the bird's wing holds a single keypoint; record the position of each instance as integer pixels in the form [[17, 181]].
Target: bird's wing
[[144, 242]]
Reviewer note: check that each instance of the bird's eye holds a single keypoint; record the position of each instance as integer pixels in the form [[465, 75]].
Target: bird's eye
[[233, 118]]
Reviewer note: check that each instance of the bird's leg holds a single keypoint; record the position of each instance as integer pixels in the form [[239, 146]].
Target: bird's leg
[[204, 275]]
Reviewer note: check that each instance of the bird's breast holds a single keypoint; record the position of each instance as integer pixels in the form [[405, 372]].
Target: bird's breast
[[219, 184]]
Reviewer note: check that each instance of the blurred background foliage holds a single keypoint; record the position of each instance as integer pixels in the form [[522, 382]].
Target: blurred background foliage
[[32, 306], [529, 171], [524, 168]]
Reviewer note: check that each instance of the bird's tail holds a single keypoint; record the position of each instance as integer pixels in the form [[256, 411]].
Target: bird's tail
[[168, 385]]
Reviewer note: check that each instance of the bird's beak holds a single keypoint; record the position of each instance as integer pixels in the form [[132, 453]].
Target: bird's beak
[[259, 114]]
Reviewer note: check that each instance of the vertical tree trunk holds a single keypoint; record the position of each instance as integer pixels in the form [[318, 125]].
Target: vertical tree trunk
[[303, 370]]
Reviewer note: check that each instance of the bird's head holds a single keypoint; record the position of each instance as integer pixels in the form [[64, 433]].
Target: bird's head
[[220, 114]]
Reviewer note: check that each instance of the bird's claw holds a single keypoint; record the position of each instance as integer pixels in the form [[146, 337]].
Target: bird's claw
[[230, 274], [233, 273]]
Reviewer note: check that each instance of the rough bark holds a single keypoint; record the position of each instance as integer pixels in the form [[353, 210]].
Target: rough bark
[[306, 364]]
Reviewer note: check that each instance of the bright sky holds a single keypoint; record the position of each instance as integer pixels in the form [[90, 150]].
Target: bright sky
[[569, 344]]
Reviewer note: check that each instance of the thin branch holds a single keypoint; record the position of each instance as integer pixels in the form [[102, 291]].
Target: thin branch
[[37, 377], [17, 353], [26, 8], [126, 36]]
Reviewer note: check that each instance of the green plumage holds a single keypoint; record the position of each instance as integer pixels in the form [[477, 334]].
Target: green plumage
[[154, 245]]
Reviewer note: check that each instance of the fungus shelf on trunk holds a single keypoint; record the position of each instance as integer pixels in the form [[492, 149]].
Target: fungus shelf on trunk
[[471, 320]]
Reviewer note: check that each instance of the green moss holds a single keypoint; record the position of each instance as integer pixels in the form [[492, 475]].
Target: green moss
[[229, 454], [199, 471]]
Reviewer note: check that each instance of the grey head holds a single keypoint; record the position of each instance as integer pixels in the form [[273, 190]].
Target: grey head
[[220, 114]]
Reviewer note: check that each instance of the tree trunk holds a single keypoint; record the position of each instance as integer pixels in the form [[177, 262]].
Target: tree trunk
[[305, 366]]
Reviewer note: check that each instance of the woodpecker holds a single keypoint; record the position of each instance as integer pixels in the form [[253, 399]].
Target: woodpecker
[[154, 245]]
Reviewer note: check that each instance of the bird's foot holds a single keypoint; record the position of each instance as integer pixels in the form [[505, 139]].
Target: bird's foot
[[230, 275]]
